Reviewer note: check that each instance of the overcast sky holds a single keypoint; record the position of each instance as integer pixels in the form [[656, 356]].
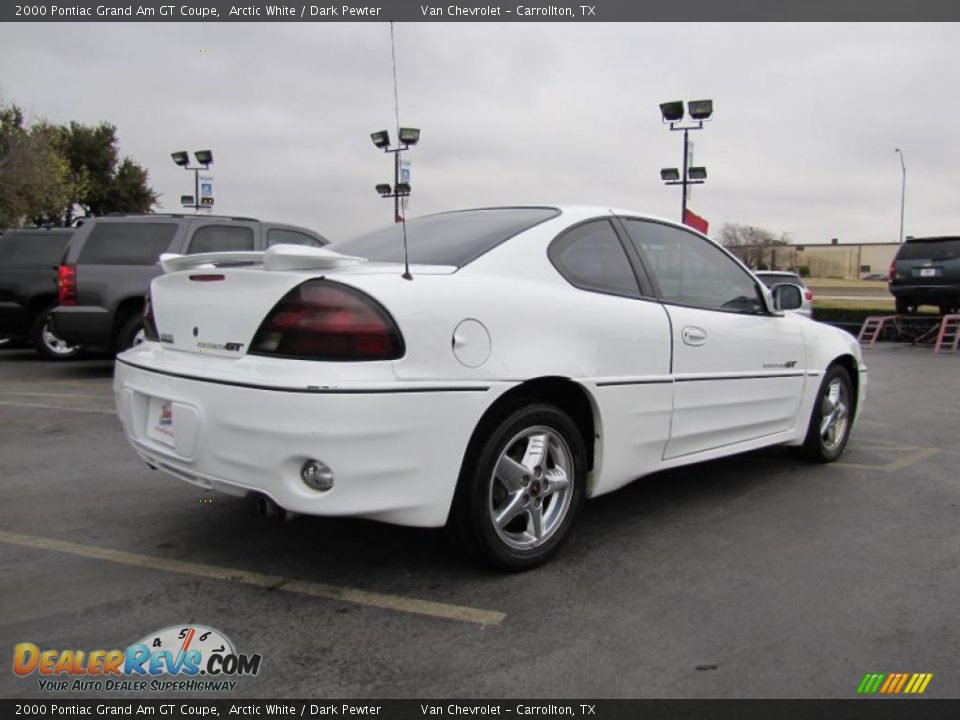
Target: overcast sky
[[806, 119]]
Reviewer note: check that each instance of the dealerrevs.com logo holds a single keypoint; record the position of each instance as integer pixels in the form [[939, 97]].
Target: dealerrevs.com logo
[[181, 658]]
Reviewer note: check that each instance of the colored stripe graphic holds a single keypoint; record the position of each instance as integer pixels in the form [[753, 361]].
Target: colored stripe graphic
[[894, 683], [870, 683]]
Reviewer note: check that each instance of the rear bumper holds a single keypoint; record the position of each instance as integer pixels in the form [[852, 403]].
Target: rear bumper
[[395, 452], [930, 293], [86, 325]]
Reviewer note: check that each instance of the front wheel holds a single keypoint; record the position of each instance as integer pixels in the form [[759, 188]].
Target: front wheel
[[519, 495], [831, 418]]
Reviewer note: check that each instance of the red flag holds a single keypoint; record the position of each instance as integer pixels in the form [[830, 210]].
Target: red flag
[[691, 219]]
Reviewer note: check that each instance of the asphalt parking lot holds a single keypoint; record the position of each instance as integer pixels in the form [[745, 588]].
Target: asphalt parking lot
[[758, 576]]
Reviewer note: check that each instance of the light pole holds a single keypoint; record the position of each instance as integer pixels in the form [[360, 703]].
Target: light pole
[[204, 158], [903, 189], [672, 113], [407, 138]]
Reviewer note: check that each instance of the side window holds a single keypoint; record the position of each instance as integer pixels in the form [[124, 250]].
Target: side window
[[278, 236], [693, 271], [121, 243], [221, 238], [591, 257]]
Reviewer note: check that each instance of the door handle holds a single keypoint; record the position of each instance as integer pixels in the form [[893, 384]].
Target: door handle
[[693, 335]]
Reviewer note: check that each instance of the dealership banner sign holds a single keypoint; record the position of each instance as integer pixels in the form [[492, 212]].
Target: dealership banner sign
[[510, 11]]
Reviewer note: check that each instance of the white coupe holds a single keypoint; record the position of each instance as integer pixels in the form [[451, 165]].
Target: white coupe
[[531, 358]]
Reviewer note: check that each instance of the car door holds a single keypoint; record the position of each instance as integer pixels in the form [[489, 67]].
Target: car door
[[738, 371]]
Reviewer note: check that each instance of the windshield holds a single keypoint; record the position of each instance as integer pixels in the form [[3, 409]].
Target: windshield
[[946, 248], [454, 238]]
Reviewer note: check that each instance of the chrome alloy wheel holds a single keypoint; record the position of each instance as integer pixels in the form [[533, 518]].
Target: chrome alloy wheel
[[54, 343], [530, 489], [835, 415]]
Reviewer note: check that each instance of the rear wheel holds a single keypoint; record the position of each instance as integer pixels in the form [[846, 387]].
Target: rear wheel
[[905, 306], [518, 496], [131, 333], [48, 344], [831, 418]]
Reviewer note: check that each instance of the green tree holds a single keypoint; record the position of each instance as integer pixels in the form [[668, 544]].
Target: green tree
[[34, 176], [102, 185]]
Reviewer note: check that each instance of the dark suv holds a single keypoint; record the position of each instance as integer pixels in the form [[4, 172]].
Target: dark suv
[[107, 268], [28, 288], [926, 271]]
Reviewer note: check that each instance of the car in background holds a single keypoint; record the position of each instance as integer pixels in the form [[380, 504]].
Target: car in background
[[28, 288], [531, 358], [109, 263], [772, 278], [926, 271]]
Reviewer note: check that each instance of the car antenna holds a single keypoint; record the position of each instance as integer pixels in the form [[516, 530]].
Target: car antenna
[[396, 111]]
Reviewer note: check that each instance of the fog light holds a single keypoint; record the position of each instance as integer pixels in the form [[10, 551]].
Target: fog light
[[317, 475]]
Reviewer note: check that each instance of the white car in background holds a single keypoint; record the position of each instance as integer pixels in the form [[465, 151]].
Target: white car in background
[[537, 357], [783, 279]]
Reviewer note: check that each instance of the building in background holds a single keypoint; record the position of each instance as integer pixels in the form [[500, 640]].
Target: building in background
[[843, 261]]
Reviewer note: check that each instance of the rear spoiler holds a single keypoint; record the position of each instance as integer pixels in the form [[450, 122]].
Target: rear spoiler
[[278, 257]]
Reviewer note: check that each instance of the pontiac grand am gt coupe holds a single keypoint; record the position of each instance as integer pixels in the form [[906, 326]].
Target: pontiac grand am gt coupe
[[533, 357]]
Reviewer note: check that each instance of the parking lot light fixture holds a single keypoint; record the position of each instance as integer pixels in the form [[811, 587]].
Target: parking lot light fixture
[[700, 109], [406, 138], [204, 157], [409, 136], [204, 161], [672, 111]]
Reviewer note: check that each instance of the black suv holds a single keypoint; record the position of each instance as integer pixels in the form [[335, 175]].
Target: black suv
[[107, 268], [28, 288], [926, 271]]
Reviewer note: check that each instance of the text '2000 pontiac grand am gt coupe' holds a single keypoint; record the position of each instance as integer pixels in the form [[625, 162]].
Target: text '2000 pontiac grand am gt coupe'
[[532, 357]]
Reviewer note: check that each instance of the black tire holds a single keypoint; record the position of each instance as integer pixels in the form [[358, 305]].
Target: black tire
[[46, 342], [130, 334], [827, 445], [904, 306], [482, 492]]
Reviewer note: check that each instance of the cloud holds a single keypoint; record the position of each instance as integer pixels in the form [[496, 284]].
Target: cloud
[[807, 115]]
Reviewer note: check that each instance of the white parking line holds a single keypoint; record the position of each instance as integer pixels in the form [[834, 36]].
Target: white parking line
[[105, 396], [429, 608], [58, 407]]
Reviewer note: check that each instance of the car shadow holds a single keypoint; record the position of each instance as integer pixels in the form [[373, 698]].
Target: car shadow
[[330, 550]]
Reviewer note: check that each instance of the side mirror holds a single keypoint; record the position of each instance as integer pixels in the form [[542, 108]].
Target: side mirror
[[787, 296]]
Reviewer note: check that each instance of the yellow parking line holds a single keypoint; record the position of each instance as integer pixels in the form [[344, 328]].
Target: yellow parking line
[[274, 582], [58, 407], [913, 455]]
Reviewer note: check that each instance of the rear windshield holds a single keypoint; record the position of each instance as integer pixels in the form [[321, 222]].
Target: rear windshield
[[33, 249], [454, 238], [118, 243], [930, 249]]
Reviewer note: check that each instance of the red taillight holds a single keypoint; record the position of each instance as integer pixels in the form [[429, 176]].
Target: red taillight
[[67, 284], [892, 273], [807, 295], [322, 320]]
